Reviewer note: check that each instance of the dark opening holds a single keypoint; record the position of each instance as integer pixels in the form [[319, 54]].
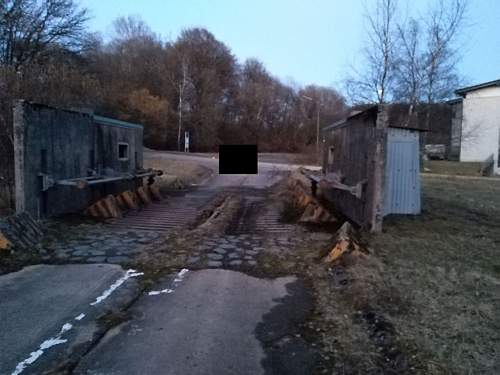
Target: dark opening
[[91, 159], [44, 170], [123, 151]]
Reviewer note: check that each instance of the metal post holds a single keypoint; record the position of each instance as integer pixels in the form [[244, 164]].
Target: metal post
[[317, 133]]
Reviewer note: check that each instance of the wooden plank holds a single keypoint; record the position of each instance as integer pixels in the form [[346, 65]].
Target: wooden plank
[[377, 203]]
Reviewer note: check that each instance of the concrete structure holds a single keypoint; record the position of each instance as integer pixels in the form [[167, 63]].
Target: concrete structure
[[65, 160], [371, 164], [476, 124]]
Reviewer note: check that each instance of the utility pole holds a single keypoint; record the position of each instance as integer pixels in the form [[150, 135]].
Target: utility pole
[[318, 106], [182, 88], [180, 119], [317, 131]]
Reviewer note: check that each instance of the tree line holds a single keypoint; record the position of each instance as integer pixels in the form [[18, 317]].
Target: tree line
[[193, 83]]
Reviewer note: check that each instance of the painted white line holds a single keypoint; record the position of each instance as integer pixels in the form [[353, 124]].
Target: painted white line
[[180, 275], [80, 317], [156, 292], [178, 278], [129, 274], [21, 366]]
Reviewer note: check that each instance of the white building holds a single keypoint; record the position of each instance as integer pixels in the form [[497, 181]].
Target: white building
[[476, 124]]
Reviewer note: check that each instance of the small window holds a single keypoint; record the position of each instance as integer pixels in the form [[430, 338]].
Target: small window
[[331, 153], [122, 151]]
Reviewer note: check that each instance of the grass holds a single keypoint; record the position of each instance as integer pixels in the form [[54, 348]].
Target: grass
[[453, 168], [426, 300], [177, 174], [445, 263]]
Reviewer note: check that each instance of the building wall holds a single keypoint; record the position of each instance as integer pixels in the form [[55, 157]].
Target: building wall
[[351, 153], [481, 126], [109, 135], [63, 145]]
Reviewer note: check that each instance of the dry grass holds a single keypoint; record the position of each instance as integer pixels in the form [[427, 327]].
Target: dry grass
[[453, 168], [426, 300], [445, 264], [177, 174]]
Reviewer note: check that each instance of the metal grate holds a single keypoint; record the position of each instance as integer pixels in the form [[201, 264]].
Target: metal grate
[[176, 212]]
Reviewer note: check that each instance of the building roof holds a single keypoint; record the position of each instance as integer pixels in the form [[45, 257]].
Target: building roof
[[397, 117], [464, 90], [454, 101], [350, 115], [112, 122]]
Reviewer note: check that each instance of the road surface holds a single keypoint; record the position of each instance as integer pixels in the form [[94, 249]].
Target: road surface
[[206, 325], [208, 321]]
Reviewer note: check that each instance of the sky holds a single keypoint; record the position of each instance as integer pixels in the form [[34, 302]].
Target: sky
[[299, 41]]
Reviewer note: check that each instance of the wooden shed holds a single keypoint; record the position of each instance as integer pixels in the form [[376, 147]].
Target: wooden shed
[[371, 164]]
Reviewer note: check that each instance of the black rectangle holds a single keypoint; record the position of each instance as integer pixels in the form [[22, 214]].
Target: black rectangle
[[238, 159]]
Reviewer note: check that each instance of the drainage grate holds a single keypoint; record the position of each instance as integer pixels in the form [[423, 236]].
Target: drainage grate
[[269, 221], [259, 216], [176, 212]]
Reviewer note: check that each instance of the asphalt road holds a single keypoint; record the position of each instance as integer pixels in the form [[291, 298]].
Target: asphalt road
[[203, 322], [206, 325], [268, 172], [46, 316]]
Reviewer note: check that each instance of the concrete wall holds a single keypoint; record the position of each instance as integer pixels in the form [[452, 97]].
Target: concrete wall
[[110, 134], [481, 126], [65, 145]]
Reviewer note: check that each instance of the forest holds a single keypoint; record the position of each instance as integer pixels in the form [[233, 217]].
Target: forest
[[193, 83]]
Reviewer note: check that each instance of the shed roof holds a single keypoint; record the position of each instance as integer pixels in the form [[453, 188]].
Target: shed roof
[[454, 101], [113, 122], [464, 90], [395, 111]]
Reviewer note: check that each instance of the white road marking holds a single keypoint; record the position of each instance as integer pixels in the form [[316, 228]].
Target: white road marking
[[21, 366], [129, 274], [80, 317], [178, 278]]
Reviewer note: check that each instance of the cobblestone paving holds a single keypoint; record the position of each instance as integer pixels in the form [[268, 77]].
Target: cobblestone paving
[[234, 251], [98, 245]]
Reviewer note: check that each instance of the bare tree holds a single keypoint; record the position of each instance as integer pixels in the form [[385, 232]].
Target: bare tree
[[443, 24], [29, 27], [131, 27], [409, 65], [374, 82]]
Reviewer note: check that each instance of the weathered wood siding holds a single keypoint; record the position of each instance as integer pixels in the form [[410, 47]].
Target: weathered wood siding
[[358, 155]]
